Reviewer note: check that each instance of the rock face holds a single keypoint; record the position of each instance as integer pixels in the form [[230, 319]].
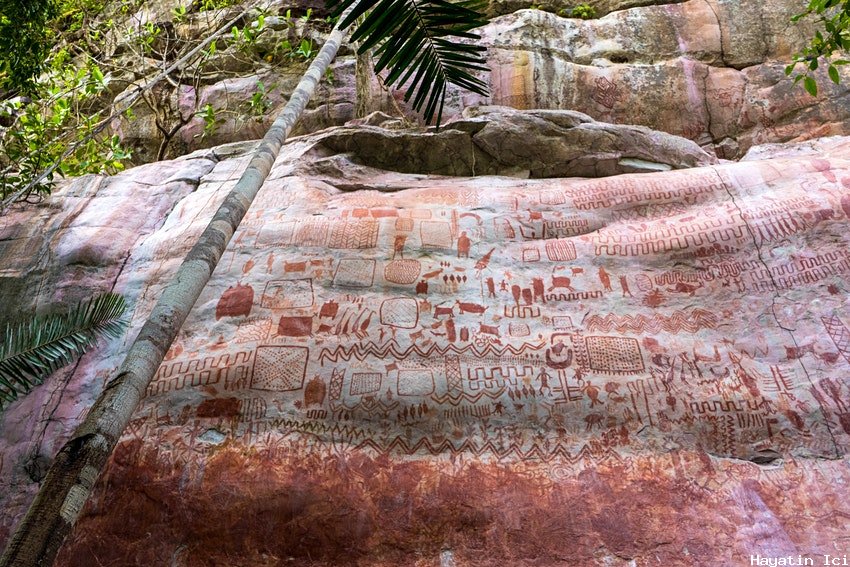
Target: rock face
[[499, 140], [467, 370], [708, 70]]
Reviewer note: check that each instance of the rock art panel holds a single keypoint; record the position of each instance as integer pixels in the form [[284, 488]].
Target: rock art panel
[[646, 367]]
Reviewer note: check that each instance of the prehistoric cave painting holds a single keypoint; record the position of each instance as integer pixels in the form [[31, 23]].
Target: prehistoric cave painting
[[415, 382], [402, 272], [436, 234], [365, 383], [279, 368], [295, 326], [606, 92], [235, 301], [288, 294], [563, 321], [400, 312], [839, 334], [354, 272]]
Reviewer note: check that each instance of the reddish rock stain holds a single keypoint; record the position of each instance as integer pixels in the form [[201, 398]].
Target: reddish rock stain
[[242, 507]]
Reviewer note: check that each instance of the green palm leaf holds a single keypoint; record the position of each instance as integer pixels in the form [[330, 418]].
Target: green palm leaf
[[32, 350], [417, 41]]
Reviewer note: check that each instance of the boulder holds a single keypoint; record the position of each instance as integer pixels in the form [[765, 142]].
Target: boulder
[[535, 143]]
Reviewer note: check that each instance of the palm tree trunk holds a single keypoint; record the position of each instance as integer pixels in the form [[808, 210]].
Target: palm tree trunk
[[72, 476]]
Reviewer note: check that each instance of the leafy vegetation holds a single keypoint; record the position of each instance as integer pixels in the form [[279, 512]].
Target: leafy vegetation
[[32, 350], [55, 125], [24, 42], [833, 18], [424, 44], [207, 5], [55, 111], [583, 11], [56, 103]]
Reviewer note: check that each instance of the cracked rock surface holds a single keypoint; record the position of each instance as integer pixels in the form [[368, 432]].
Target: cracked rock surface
[[500, 140], [708, 70], [635, 369]]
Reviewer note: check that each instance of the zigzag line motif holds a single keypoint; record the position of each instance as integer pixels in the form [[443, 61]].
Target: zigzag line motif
[[367, 404], [676, 323], [455, 397], [536, 452], [391, 348], [345, 431]]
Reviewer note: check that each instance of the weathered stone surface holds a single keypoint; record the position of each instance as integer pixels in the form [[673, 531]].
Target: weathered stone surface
[[707, 70], [500, 140], [485, 370]]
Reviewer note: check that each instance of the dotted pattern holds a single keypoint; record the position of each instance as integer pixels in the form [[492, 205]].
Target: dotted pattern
[[614, 354]]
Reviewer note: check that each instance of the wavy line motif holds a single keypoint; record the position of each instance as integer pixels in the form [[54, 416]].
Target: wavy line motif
[[678, 322], [392, 348]]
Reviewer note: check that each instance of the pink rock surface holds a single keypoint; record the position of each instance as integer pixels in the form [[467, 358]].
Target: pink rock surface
[[640, 369], [708, 70]]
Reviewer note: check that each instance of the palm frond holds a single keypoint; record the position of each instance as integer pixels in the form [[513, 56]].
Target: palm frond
[[32, 350], [418, 41]]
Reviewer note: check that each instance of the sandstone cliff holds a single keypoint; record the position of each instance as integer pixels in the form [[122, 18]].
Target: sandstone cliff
[[512, 368], [708, 70]]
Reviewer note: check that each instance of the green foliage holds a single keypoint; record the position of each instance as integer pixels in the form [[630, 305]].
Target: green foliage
[[246, 38], [207, 5], [179, 14], [41, 130], [75, 14], [34, 349], [260, 102], [583, 11], [146, 36], [305, 49], [207, 112], [418, 41], [25, 41], [833, 18]]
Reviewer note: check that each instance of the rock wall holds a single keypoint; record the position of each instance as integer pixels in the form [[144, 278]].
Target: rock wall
[[708, 70], [393, 368]]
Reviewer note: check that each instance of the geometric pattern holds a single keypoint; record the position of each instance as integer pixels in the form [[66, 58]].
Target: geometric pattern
[[279, 368], [354, 272], [354, 234], [435, 234], [288, 294], [614, 354], [839, 335], [365, 383], [400, 312]]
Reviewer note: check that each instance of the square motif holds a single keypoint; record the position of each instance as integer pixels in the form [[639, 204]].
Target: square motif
[[400, 312], [614, 354], [354, 272], [288, 294], [279, 368], [435, 234], [364, 383]]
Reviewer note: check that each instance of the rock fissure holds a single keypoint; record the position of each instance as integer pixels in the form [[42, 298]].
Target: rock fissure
[[777, 296]]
